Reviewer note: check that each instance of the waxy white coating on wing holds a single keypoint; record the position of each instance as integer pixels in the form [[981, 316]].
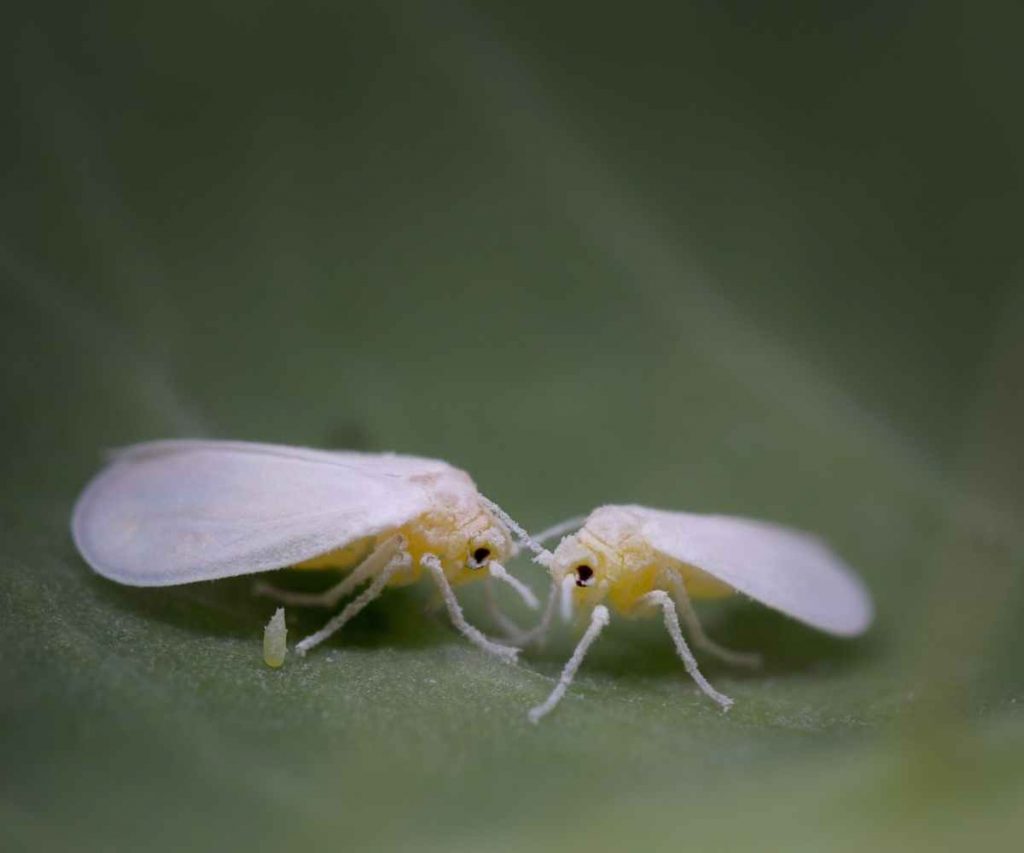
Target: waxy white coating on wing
[[787, 570], [174, 512]]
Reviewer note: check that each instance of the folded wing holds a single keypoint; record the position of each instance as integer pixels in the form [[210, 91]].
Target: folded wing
[[175, 512], [790, 571]]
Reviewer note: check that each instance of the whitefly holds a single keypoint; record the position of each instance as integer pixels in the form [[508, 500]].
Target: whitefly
[[639, 561], [176, 512]]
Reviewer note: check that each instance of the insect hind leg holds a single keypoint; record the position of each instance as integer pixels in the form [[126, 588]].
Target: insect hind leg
[[696, 631], [660, 598], [332, 596], [398, 562], [327, 599]]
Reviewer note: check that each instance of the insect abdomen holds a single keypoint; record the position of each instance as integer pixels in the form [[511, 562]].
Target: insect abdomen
[[700, 584], [346, 557]]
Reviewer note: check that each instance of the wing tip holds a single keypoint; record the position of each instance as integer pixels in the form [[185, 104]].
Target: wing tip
[[854, 619]]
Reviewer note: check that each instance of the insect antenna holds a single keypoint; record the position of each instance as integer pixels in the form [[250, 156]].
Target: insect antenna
[[560, 529], [542, 555]]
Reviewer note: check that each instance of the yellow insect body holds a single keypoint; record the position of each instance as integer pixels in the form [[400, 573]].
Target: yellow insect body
[[453, 535], [624, 565], [172, 512], [640, 560], [346, 557]]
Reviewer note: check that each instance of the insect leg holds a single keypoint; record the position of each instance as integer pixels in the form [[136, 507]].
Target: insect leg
[[399, 561], [330, 597], [539, 634], [433, 565], [661, 599], [512, 631], [500, 573], [696, 630], [523, 637], [598, 619]]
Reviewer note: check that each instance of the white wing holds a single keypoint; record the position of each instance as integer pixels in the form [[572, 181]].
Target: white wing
[[173, 512], [785, 569], [373, 463]]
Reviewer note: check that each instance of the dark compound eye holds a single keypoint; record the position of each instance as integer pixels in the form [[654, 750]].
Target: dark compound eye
[[583, 575], [481, 554]]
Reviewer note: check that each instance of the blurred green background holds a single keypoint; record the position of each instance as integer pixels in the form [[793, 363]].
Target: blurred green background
[[718, 256]]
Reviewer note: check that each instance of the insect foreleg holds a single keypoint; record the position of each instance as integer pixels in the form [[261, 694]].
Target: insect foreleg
[[330, 597], [500, 573], [696, 630], [432, 564], [398, 561], [598, 619], [511, 630], [660, 598]]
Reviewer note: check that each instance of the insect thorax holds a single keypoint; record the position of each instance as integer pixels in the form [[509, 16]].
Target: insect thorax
[[628, 567], [615, 534], [448, 531], [452, 532]]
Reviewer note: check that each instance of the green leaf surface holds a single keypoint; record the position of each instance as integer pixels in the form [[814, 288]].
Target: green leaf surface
[[714, 259]]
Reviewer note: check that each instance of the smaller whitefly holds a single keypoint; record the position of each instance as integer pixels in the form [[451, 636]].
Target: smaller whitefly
[[275, 640], [643, 561]]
